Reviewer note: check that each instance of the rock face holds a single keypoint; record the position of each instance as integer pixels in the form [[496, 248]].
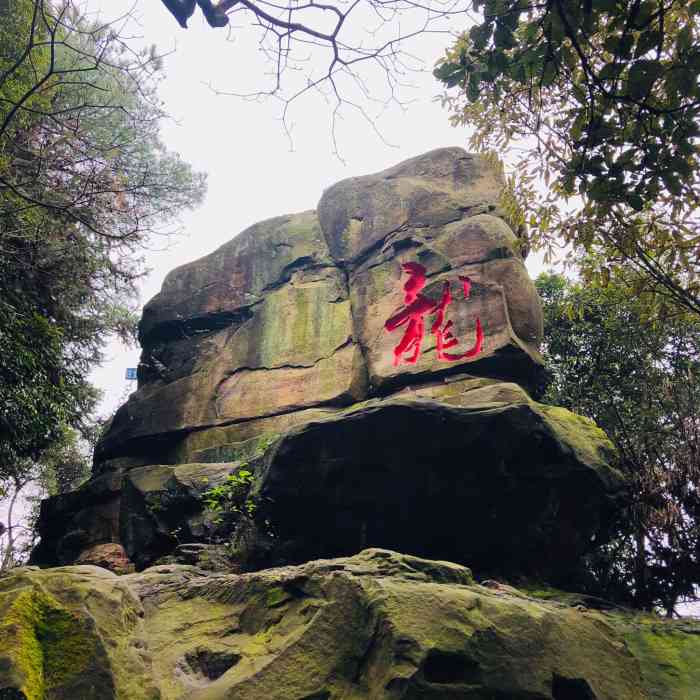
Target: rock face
[[471, 471], [290, 315], [340, 383], [378, 625], [369, 363]]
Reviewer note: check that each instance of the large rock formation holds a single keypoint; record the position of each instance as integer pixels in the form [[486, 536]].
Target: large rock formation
[[290, 315], [327, 382], [370, 364], [377, 626]]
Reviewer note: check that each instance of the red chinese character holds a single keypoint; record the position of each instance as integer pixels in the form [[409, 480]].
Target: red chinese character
[[417, 307]]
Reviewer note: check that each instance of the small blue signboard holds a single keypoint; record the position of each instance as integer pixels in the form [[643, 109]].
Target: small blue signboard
[[131, 373]]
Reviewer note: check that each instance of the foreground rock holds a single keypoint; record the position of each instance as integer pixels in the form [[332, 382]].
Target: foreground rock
[[379, 625], [471, 471]]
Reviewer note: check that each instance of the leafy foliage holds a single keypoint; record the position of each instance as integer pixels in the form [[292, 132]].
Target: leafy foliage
[[640, 381], [602, 99], [84, 182], [58, 469], [233, 495]]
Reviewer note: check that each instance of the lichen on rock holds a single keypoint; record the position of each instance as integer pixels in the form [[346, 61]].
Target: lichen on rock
[[378, 625]]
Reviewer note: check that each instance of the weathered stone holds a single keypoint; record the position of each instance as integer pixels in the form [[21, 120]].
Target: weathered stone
[[199, 296], [209, 557], [152, 510], [377, 626], [429, 191], [484, 476], [468, 469], [273, 354], [109, 556], [73, 522], [295, 351], [290, 315], [72, 634]]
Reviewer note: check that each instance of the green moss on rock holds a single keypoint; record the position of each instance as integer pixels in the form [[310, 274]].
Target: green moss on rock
[[46, 643], [669, 657], [20, 646]]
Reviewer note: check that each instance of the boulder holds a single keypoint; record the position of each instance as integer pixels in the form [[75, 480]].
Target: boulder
[[440, 211], [262, 326], [480, 475], [379, 625], [291, 315], [110, 556], [374, 364], [470, 470], [152, 510]]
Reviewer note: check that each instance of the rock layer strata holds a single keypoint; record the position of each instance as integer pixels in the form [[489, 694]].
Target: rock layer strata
[[290, 314], [276, 354]]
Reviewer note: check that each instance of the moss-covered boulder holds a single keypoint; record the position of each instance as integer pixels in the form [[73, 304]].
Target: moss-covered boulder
[[376, 626], [473, 472], [470, 470], [71, 634], [153, 509], [375, 359]]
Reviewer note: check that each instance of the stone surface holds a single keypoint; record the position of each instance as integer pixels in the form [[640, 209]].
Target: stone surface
[[109, 556], [152, 509], [274, 354], [471, 470], [260, 327], [439, 210], [377, 626], [478, 474], [209, 557], [290, 315]]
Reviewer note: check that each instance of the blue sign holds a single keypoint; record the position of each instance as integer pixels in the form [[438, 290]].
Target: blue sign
[[131, 373]]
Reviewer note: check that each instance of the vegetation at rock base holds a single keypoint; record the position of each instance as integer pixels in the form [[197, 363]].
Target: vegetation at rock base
[[597, 102], [640, 381]]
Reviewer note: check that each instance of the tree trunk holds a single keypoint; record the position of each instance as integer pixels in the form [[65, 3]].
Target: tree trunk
[[9, 549], [641, 582]]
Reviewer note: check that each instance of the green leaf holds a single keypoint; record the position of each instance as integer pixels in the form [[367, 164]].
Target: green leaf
[[610, 71], [605, 5], [647, 40], [549, 74], [684, 39], [473, 88], [569, 57], [612, 44], [480, 35], [644, 13], [672, 183], [577, 127], [503, 37], [635, 201], [681, 81], [451, 74], [642, 75]]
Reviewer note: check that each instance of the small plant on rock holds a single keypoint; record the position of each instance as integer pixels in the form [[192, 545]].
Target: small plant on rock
[[233, 495]]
